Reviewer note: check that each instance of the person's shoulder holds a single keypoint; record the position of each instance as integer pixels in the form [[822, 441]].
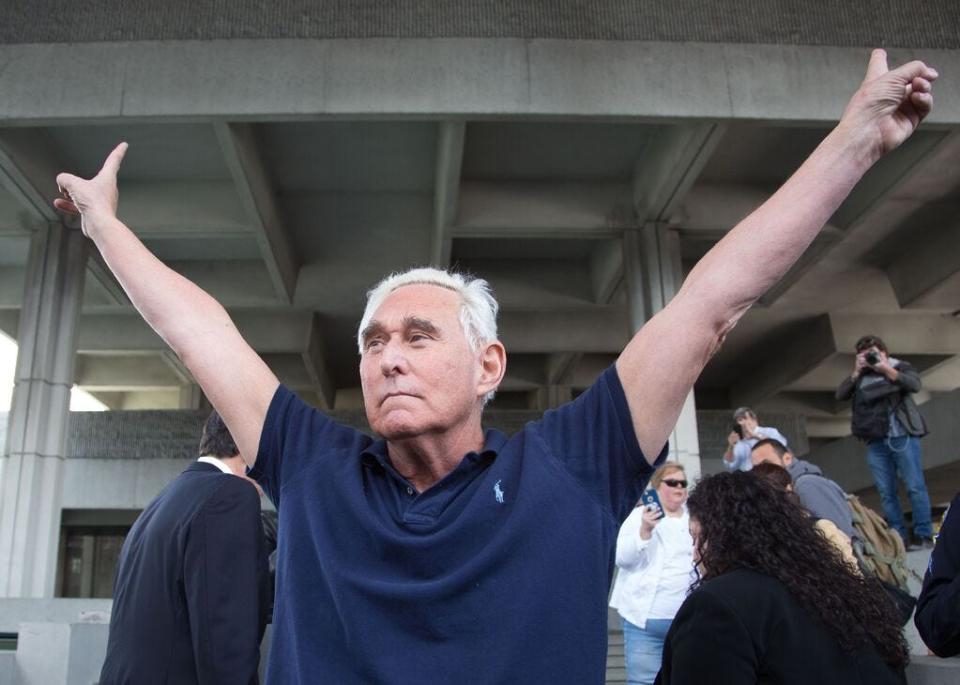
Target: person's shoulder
[[237, 489], [742, 587]]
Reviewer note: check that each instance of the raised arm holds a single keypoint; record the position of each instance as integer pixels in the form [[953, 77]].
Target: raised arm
[[660, 365], [196, 327]]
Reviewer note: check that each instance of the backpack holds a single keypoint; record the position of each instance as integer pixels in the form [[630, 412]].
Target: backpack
[[881, 554], [880, 549]]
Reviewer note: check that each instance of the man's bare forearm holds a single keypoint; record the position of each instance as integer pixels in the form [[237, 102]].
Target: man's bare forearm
[[670, 351], [196, 327], [772, 238]]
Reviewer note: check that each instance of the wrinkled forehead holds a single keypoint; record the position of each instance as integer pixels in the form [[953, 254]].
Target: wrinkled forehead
[[434, 303]]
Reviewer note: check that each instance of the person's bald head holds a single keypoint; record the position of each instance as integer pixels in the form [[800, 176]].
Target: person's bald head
[[771, 451]]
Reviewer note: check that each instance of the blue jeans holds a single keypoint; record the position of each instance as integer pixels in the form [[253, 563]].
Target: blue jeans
[[643, 648], [889, 457]]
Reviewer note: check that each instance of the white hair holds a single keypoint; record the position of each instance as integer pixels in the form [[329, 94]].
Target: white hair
[[478, 306]]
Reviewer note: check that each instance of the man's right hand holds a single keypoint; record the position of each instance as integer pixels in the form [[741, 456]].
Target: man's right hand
[[96, 199], [859, 364]]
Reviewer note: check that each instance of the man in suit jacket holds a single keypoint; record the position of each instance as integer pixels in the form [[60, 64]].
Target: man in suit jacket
[[190, 595]]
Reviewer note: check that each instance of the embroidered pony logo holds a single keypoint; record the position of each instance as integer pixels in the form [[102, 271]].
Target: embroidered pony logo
[[498, 491]]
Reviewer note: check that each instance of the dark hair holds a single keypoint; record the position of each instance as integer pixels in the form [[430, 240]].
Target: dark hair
[[775, 474], [216, 440], [868, 341], [746, 523], [777, 446]]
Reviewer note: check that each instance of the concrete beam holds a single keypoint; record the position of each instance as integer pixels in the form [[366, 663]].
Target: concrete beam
[[865, 199], [178, 368], [606, 270], [315, 360], [561, 367], [265, 331], [242, 282], [597, 330], [825, 241], [28, 170], [450, 139], [715, 208], [98, 270], [602, 330], [202, 209], [904, 333], [11, 286], [931, 262], [243, 158], [110, 373], [802, 348], [669, 166], [542, 210], [151, 80]]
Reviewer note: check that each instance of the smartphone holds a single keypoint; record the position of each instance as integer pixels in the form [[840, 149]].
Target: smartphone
[[649, 498], [738, 429]]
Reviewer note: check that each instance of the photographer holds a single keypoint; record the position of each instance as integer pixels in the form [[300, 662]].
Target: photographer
[[887, 419], [745, 434]]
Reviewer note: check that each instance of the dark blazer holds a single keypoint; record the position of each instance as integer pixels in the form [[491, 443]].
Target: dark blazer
[[745, 627], [190, 595], [938, 607]]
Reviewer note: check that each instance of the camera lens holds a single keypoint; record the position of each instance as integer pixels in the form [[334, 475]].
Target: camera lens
[[872, 358]]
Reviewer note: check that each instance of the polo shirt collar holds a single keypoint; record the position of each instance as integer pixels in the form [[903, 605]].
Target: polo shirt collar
[[493, 442]]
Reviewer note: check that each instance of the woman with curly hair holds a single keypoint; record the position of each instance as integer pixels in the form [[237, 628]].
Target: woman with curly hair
[[775, 602]]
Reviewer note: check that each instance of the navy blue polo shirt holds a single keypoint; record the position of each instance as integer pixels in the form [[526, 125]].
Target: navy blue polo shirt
[[498, 573]]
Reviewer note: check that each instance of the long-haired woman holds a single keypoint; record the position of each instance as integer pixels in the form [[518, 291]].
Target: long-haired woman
[[775, 602]]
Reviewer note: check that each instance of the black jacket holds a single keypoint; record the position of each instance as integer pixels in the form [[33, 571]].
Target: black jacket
[[190, 595], [938, 608], [875, 397], [745, 627]]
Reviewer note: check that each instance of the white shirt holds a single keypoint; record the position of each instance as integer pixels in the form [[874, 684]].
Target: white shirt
[[743, 448], [216, 462], [654, 575]]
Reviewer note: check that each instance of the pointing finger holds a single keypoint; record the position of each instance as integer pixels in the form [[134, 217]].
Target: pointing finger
[[112, 163], [877, 66]]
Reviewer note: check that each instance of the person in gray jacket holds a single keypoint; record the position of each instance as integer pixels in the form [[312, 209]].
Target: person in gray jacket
[[887, 419], [822, 497]]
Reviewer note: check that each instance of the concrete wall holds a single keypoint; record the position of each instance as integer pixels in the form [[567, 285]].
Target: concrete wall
[[122, 459], [715, 425], [845, 460], [931, 23]]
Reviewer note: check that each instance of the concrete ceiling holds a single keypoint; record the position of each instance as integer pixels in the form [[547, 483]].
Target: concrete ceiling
[[289, 220]]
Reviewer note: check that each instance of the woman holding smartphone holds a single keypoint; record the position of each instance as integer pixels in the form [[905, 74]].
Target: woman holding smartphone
[[655, 570]]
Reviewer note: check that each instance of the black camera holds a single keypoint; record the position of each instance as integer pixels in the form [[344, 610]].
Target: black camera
[[872, 358]]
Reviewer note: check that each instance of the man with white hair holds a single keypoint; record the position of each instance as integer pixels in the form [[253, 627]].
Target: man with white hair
[[441, 553]]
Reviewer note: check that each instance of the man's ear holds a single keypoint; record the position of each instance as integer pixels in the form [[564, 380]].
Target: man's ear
[[493, 362]]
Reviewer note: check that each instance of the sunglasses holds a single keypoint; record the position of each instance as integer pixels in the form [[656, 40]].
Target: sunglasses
[[674, 483]]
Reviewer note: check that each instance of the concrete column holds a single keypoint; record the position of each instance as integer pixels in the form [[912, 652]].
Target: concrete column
[[31, 471], [652, 272]]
